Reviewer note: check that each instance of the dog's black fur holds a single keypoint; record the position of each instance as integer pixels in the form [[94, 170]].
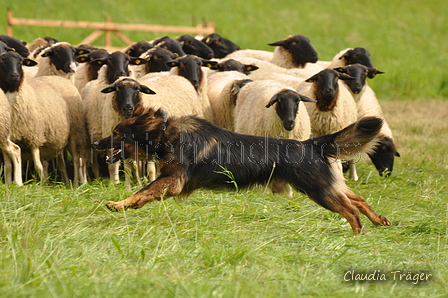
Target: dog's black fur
[[193, 153]]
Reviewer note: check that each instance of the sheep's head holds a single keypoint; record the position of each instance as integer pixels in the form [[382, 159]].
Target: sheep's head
[[11, 73], [384, 155], [327, 87], [193, 46], [357, 55], [127, 95], [300, 48], [287, 106], [62, 57], [231, 64], [189, 67], [221, 46], [360, 73]]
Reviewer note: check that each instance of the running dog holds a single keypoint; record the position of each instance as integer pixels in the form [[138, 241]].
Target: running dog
[[193, 153]]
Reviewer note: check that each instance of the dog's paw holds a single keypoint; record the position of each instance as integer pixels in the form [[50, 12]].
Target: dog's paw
[[112, 206], [385, 221]]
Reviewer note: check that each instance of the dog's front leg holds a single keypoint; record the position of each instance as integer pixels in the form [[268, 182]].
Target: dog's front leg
[[159, 189]]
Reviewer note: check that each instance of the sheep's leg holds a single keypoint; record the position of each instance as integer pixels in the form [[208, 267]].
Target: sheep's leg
[[38, 167], [159, 189], [63, 168], [7, 167], [151, 170], [114, 172], [352, 169], [95, 165], [14, 153], [131, 167]]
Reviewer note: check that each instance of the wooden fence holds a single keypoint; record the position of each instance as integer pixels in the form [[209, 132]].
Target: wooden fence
[[107, 28]]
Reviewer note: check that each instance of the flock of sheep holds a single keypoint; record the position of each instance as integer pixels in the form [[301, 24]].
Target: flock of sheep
[[58, 99]]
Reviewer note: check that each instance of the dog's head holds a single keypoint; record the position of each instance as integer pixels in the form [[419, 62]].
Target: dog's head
[[139, 136]]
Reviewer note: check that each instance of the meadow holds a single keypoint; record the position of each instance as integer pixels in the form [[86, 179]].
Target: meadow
[[59, 241]]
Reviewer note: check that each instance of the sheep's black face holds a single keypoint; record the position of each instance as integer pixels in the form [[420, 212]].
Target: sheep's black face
[[62, 57], [117, 66], [192, 46], [221, 46], [11, 73], [358, 55], [384, 156], [287, 108], [139, 48], [359, 72]]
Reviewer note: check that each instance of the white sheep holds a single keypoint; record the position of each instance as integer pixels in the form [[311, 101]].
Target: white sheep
[[334, 108], [87, 71], [272, 109], [11, 151], [38, 110]]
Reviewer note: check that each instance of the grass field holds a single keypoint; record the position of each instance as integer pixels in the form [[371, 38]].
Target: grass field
[[56, 241], [62, 242]]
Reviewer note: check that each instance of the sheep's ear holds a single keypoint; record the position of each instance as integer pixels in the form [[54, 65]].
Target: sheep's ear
[[109, 89], [98, 61], [340, 69], [345, 77], [250, 67], [146, 89], [137, 61], [29, 62], [312, 79], [82, 52], [208, 63], [172, 63], [397, 154], [128, 51], [372, 72], [216, 67], [273, 100], [279, 43], [306, 98]]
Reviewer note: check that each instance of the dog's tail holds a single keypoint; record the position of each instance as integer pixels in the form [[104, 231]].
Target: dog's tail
[[359, 137]]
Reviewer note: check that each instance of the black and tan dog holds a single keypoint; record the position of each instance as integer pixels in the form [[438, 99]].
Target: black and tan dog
[[193, 152]]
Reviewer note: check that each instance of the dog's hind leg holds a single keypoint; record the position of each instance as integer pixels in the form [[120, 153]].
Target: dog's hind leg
[[365, 209], [159, 189]]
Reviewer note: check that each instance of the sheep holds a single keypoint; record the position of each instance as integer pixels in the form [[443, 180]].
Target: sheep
[[287, 119], [191, 68], [88, 71], [57, 59], [154, 61], [192, 46], [4, 47], [231, 64], [122, 97], [138, 48], [114, 65], [11, 151], [334, 109], [40, 113], [368, 105], [251, 53], [16, 44], [170, 44], [221, 46], [222, 90], [40, 42], [348, 56]]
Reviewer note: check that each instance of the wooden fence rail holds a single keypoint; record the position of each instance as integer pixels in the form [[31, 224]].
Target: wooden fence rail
[[107, 28]]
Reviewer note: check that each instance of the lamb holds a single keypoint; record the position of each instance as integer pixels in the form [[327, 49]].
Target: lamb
[[287, 119], [334, 109], [11, 151], [368, 105], [40, 112], [192, 46], [221, 46], [223, 88]]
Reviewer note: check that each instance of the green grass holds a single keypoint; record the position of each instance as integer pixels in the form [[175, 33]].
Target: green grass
[[406, 38], [62, 242]]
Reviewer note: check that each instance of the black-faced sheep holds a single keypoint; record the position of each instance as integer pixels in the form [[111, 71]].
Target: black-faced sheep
[[16, 44], [334, 109], [232, 64], [38, 110], [154, 60], [349, 56], [138, 48], [88, 71], [193, 46], [221, 46], [368, 105], [170, 44]]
